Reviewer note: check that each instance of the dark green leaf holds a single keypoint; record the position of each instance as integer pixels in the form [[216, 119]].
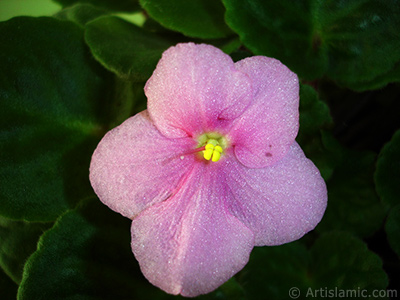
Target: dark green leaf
[[18, 240], [392, 228], [314, 114], [380, 81], [363, 39], [343, 261], [272, 271], [81, 13], [227, 45], [337, 260], [52, 109], [129, 99], [123, 48], [8, 288], [352, 202], [280, 29], [240, 54], [354, 42], [86, 255], [387, 175], [194, 18], [113, 5], [323, 149]]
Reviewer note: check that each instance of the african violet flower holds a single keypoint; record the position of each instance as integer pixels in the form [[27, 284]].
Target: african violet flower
[[211, 168]]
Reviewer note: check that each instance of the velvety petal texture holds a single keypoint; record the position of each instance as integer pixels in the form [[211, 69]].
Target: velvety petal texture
[[135, 166], [264, 133], [195, 221], [196, 89], [279, 203], [191, 244]]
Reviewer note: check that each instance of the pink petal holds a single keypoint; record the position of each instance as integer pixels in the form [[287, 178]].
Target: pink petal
[[135, 166], [190, 243], [196, 89], [279, 203], [265, 132]]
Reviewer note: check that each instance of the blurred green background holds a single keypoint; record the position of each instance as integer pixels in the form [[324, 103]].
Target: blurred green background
[[12, 8], [36, 8]]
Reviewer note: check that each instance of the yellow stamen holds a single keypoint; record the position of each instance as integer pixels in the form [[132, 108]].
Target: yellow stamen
[[209, 151], [216, 154], [218, 148], [212, 151]]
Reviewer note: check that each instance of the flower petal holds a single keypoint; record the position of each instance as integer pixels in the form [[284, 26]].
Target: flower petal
[[135, 166], [196, 89], [269, 126], [279, 203], [190, 243]]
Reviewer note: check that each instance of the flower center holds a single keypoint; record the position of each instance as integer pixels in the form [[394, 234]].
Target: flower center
[[213, 145]]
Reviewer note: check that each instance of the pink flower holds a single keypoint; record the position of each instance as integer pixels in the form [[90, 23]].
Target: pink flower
[[211, 168]]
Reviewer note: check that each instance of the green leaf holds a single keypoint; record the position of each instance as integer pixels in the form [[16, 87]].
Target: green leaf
[[313, 137], [337, 260], [8, 287], [387, 175], [129, 99], [123, 48], [86, 255], [354, 42], [112, 5], [240, 54], [363, 39], [352, 202], [195, 18], [81, 13], [380, 81], [272, 271], [228, 45], [51, 118], [280, 29], [314, 117], [392, 229], [18, 240], [314, 114], [343, 261], [324, 158]]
